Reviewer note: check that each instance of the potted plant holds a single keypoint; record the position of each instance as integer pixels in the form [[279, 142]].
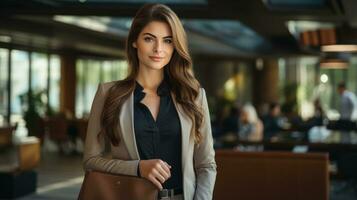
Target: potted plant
[[34, 108]]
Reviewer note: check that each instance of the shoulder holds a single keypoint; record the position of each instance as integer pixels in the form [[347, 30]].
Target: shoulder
[[105, 87], [201, 97], [347, 96], [350, 94], [202, 90], [201, 93]]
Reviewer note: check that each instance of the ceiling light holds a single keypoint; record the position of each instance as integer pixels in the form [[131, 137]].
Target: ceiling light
[[324, 78], [339, 48], [84, 22], [333, 64], [5, 38]]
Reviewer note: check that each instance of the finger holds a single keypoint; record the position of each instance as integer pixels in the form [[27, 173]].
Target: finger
[[159, 176], [166, 168], [159, 167], [163, 172], [169, 166], [155, 182]]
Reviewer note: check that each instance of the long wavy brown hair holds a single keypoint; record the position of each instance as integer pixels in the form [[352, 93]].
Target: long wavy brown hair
[[183, 84]]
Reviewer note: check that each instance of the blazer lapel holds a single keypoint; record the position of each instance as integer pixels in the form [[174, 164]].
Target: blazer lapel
[[127, 125], [185, 131]]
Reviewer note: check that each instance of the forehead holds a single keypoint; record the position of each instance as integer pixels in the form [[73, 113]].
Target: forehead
[[157, 28]]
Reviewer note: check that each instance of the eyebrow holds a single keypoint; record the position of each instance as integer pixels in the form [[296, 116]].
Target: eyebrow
[[155, 36]]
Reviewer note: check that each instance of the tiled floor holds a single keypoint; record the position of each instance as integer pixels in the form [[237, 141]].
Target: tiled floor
[[60, 178]]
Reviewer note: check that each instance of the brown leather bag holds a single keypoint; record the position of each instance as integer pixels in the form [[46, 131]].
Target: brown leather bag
[[105, 186]]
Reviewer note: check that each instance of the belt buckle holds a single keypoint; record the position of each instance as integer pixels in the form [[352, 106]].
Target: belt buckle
[[171, 193], [164, 193], [167, 193]]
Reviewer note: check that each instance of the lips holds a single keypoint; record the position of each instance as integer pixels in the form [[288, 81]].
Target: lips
[[156, 58]]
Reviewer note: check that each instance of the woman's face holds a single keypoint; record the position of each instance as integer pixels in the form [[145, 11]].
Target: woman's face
[[154, 45]]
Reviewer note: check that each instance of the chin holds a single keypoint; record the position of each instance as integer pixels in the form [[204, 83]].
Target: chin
[[157, 66]]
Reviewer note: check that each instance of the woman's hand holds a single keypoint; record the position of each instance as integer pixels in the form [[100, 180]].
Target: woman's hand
[[155, 170]]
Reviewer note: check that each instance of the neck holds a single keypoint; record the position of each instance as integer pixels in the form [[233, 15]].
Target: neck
[[150, 79]]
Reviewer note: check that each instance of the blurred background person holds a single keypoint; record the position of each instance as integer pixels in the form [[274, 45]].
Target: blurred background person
[[231, 122], [271, 121], [348, 103], [319, 113], [250, 126]]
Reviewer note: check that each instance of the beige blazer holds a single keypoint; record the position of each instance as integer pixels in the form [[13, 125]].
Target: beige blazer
[[198, 164]]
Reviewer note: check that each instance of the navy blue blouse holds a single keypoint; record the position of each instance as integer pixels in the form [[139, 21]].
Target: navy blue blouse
[[160, 139]]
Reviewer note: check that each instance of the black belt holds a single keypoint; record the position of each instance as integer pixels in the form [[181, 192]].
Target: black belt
[[169, 192]]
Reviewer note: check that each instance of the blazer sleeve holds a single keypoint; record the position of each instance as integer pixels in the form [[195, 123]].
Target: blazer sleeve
[[94, 146], [204, 157]]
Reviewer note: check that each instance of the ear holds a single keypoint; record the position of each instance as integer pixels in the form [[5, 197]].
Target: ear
[[134, 44]]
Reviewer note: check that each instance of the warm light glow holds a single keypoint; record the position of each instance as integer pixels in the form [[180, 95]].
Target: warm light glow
[[333, 64], [339, 48], [323, 78], [259, 64], [229, 85]]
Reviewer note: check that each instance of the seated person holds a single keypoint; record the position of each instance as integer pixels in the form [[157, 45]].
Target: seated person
[[271, 123], [230, 123], [318, 119], [319, 114], [250, 126]]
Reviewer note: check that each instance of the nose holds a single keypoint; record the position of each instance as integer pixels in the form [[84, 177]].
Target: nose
[[158, 47]]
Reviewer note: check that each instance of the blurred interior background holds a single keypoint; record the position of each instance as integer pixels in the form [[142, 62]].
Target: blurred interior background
[[277, 63]]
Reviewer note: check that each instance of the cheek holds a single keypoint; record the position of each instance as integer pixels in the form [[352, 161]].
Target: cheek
[[142, 51], [139, 53], [142, 48], [170, 52]]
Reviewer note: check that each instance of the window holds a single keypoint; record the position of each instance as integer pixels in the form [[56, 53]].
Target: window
[[92, 79], [333, 77], [3, 84], [307, 85], [54, 87], [314, 83], [19, 83], [107, 68], [39, 72], [90, 73], [41, 84]]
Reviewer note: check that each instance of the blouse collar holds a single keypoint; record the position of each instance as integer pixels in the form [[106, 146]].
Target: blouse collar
[[162, 90]]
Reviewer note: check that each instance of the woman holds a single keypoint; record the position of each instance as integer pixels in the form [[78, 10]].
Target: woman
[[157, 119], [250, 126]]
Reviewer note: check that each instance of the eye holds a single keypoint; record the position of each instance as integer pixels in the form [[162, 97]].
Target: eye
[[168, 41], [148, 39]]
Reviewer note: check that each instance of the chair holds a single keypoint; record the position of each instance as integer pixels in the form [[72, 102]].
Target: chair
[[82, 125], [6, 135], [57, 128]]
